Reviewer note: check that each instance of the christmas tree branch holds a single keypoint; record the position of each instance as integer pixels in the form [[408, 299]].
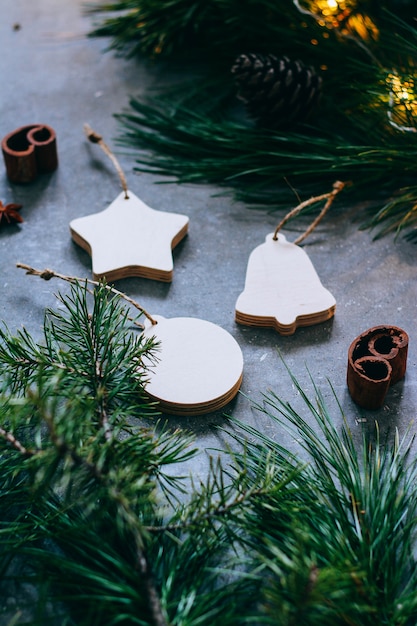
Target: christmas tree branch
[[133, 524], [361, 124], [47, 274], [318, 531], [125, 511], [213, 512], [15, 443]]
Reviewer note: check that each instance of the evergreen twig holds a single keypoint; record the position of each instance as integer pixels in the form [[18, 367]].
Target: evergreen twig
[[47, 274], [124, 510], [363, 131], [321, 533]]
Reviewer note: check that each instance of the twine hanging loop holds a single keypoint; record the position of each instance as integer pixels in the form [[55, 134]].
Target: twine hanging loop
[[96, 138], [329, 197], [48, 274]]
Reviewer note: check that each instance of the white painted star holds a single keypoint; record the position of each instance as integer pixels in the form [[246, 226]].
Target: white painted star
[[130, 239]]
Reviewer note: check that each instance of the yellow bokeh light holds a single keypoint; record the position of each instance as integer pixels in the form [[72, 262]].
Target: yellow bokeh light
[[344, 16], [330, 7], [401, 90], [402, 101]]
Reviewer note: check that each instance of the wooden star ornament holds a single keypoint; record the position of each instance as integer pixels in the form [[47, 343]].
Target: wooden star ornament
[[130, 239], [9, 213]]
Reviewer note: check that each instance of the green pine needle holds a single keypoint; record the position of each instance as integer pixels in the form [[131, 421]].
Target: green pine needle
[[350, 549], [356, 135], [100, 517]]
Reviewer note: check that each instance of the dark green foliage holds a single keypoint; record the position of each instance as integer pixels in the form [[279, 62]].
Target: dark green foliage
[[179, 27], [335, 551], [98, 514], [225, 28], [363, 131]]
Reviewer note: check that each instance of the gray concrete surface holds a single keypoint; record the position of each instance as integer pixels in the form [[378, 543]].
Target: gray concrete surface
[[52, 74]]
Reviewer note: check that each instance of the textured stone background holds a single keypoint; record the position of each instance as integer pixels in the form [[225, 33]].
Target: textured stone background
[[52, 74]]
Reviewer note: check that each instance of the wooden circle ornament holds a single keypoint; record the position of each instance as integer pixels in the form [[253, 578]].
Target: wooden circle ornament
[[199, 368]]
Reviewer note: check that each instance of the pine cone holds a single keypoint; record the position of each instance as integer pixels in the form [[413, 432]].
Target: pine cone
[[277, 92]]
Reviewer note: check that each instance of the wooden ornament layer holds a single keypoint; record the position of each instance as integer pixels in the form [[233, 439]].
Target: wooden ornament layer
[[282, 289], [130, 239], [199, 368]]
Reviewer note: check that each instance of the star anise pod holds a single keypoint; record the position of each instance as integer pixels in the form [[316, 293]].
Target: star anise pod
[[9, 213]]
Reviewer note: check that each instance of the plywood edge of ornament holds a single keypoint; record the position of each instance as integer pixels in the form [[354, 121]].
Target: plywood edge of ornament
[[202, 408], [199, 366], [131, 271], [130, 239], [284, 329], [282, 289]]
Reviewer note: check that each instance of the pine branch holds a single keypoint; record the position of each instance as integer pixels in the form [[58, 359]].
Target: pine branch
[[47, 274], [365, 520], [15, 443], [90, 468], [199, 138], [125, 513], [324, 537], [174, 27]]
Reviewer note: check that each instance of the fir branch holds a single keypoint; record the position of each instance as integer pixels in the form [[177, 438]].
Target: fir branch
[[367, 518], [325, 537], [47, 274], [64, 461], [254, 162], [197, 138], [124, 510], [172, 28], [15, 443]]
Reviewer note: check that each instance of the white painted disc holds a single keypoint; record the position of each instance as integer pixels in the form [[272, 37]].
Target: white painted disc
[[199, 366]]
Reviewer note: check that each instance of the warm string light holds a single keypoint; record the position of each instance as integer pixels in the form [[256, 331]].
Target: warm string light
[[332, 12], [402, 110], [340, 15], [328, 13]]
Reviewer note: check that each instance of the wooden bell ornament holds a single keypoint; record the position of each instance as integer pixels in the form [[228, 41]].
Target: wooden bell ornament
[[282, 289], [377, 359]]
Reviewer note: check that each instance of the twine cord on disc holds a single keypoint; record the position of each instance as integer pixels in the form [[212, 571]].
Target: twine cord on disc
[[47, 274]]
